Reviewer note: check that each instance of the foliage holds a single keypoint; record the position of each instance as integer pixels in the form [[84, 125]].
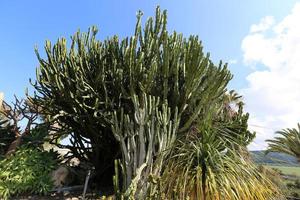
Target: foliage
[[38, 136], [287, 170], [80, 89], [229, 113], [19, 121], [289, 182], [26, 171], [293, 188], [205, 164], [287, 142], [155, 105], [273, 174], [7, 136], [207, 158]]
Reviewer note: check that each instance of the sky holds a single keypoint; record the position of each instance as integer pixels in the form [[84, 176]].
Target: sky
[[260, 39]]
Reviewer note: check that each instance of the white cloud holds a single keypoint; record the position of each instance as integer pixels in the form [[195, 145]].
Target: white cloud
[[264, 24], [273, 94], [232, 61]]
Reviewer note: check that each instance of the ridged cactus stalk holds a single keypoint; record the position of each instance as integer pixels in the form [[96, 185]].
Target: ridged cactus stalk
[[145, 140]]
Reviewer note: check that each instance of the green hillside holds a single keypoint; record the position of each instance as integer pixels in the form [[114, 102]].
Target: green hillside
[[277, 159]]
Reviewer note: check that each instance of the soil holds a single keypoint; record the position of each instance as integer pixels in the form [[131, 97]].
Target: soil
[[62, 196]]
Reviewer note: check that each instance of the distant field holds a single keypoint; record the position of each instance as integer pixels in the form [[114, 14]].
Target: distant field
[[287, 170]]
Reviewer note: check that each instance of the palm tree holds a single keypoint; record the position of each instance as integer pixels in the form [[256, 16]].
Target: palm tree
[[287, 142], [231, 114], [231, 101], [233, 97]]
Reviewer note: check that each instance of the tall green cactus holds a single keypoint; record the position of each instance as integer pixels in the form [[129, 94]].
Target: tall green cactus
[[145, 140], [83, 89]]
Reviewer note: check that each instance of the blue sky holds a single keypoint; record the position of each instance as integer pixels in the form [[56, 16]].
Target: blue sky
[[223, 26]]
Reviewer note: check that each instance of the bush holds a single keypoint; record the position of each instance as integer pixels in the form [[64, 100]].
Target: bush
[[81, 88], [7, 136], [28, 170]]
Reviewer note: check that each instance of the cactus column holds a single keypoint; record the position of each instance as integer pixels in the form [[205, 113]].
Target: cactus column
[[145, 140]]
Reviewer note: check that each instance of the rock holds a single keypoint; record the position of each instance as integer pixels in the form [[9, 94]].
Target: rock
[[60, 177]]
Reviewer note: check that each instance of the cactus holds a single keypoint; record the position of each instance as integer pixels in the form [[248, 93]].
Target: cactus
[[149, 134], [89, 88]]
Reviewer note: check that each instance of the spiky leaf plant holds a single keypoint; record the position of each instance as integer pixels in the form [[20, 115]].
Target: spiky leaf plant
[[203, 166], [287, 141]]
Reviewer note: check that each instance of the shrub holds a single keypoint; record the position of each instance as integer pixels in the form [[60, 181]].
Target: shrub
[[18, 125], [7, 136], [204, 167], [81, 88], [26, 171]]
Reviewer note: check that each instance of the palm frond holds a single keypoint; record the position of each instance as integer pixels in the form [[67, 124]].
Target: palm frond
[[287, 142]]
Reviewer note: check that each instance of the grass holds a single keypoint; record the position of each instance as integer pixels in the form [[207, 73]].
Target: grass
[[292, 187], [287, 170]]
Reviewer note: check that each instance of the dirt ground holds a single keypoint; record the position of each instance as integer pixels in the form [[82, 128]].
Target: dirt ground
[[74, 196]]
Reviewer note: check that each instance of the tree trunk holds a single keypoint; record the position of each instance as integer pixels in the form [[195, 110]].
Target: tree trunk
[[13, 146]]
